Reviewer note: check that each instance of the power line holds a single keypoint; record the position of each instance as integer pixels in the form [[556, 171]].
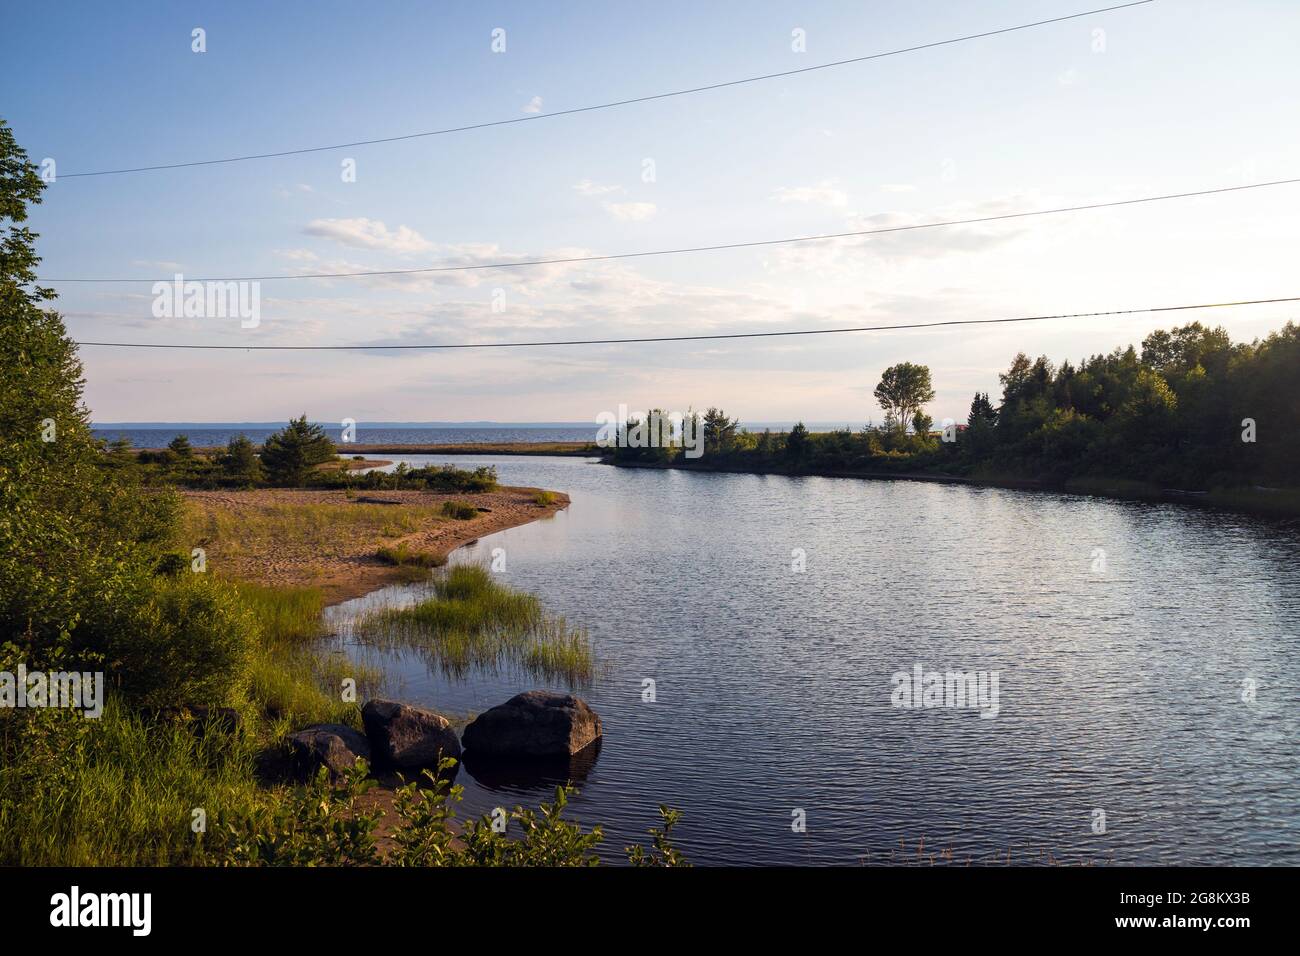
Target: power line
[[603, 106], [715, 248], [694, 338]]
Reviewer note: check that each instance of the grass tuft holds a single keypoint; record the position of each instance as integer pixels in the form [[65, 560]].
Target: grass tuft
[[474, 623]]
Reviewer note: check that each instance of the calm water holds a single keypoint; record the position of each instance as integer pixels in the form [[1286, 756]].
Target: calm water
[[1119, 689]]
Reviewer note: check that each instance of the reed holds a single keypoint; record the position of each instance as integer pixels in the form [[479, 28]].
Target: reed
[[471, 622]]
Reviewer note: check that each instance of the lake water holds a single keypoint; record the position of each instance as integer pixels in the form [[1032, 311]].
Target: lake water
[[1121, 675]]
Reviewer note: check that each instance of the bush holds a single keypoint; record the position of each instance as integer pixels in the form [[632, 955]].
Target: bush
[[189, 643], [460, 510]]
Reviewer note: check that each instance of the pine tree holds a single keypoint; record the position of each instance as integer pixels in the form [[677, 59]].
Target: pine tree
[[289, 454]]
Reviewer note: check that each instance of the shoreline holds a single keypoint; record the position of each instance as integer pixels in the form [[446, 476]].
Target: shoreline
[[1277, 503], [576, 449], [336, 553]]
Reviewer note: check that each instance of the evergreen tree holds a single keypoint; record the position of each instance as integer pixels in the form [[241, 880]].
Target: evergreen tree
[[289, 454], [796, 443], [240, 461]]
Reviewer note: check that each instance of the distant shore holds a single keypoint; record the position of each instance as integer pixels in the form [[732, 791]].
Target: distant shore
[[1272, 502], [577, 449]]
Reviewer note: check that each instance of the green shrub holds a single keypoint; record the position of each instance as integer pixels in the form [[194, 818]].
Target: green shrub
[[190, 642], [460, 510]]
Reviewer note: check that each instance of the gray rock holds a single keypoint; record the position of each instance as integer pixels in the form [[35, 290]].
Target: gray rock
[[407, 737], [536, 723], [333, 746]]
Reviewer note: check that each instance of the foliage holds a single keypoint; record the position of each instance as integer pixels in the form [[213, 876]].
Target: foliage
[[902, 390], [290, 453], [1170, 415], [460, 510], [662, 852]]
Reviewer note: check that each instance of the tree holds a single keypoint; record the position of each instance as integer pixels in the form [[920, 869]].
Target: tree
[[719, 431], [290, 453], [78, 542], [240, 461], [796, 443], [903, 389], [979, 439], [982, 411], [180, 447]]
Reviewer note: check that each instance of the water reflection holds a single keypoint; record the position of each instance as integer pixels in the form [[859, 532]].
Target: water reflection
[[1121, 689]]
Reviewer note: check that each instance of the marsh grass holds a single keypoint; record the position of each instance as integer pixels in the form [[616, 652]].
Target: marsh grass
[[473, 623], [267, 528], [403, 554], [460, 510], [293, 680], [543, 498]]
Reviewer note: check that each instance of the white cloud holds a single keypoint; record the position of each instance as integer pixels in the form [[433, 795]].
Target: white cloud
[[897, 187], [631, 211], [369, 234], [588, 188], [534, 105], [824, 193]]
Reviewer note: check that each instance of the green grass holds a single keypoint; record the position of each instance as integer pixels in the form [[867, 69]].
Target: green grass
[[256, 531], [460, 510], [474, 623], [293, 682], [402, 554], [120, 790], [543, 499]]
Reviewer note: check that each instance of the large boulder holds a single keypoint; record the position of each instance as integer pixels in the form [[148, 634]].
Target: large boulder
[[333, 746], [406, 737], [536, 723]]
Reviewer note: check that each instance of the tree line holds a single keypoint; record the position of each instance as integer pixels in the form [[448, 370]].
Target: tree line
[[1188, 409]]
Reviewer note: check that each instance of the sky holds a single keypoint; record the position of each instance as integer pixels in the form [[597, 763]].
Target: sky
[[1167, 97]]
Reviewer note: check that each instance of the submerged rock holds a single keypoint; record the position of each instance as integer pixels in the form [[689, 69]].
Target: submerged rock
[[536, 723], [333, 746], [407, 737]]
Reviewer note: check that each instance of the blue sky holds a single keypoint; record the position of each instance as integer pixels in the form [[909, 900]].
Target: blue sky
[[1184, 96]]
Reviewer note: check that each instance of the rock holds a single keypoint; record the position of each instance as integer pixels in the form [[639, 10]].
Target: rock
[[333, 746], [536, 723], [408, 737]]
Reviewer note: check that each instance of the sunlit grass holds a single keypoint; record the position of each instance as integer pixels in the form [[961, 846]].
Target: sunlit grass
[[473, 623], [122, 791], [254, 529], [292, 679]]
